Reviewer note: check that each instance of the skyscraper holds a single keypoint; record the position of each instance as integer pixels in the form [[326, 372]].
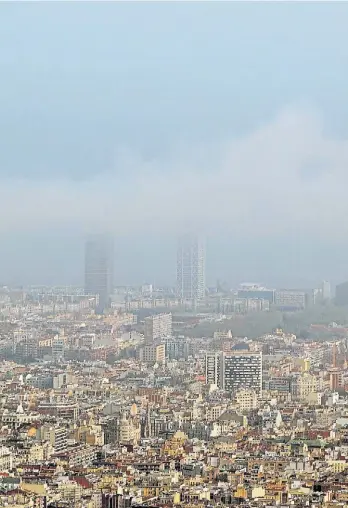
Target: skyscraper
[[212, 368], [99, 254], [326, 290], [191, 268]]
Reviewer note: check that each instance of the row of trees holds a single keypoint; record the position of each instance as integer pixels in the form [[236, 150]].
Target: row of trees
[[259, 323]]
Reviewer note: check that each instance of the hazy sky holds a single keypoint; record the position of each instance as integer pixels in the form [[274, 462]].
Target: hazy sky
[[149, 118]]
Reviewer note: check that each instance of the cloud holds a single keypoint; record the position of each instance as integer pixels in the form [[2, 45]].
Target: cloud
[[286, 175]]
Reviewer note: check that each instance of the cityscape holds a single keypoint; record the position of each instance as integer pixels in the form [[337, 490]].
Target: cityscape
[[147, 396], [173, 257]]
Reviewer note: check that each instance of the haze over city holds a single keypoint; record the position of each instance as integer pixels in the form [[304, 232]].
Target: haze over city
[[236, 128], [173, 260]]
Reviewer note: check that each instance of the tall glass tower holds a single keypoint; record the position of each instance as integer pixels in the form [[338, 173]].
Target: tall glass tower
[[190, 276]]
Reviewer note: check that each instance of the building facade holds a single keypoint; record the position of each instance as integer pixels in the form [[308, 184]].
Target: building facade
[[212, 369], [158, 326], [152, 353], [234, 370], [58, 346], [241, 370], [290, 299], [251, 291]]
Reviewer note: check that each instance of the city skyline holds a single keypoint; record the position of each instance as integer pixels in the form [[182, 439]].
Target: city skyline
[[214, 275], [173, 261]]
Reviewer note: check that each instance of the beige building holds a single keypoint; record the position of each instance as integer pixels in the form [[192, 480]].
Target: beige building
[[213, 412], [90, 434], [55, 435], [6, 459], [129, 430], [306, 384], [70, 491], [247, 400], [152, 353]]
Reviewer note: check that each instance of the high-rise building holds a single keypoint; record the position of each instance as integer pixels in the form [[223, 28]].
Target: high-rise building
[[191, 268], [326, 290], [99, 256], [158, 326], [235, 370], [241, 370], [212, 369]]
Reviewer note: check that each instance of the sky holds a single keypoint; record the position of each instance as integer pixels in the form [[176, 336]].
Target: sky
[[148, 119]]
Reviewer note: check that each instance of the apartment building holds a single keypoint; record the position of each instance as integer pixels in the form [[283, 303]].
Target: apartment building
[[158, 326], [152, 353], [212, 369], [290, 300], [234, 370]]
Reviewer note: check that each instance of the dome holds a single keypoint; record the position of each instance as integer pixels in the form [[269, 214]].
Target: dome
[[241, 346]]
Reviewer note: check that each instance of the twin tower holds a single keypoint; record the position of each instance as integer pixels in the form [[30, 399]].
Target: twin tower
[[99, 268]]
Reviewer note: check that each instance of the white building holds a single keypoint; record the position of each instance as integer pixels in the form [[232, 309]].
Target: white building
[[212, 368], [158, 326], [290, 299], [326, 290], [58, 346]]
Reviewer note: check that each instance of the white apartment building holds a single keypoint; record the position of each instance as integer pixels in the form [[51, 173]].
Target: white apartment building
[[58, 346], [212, 368], [289, 299], [158, 326]]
